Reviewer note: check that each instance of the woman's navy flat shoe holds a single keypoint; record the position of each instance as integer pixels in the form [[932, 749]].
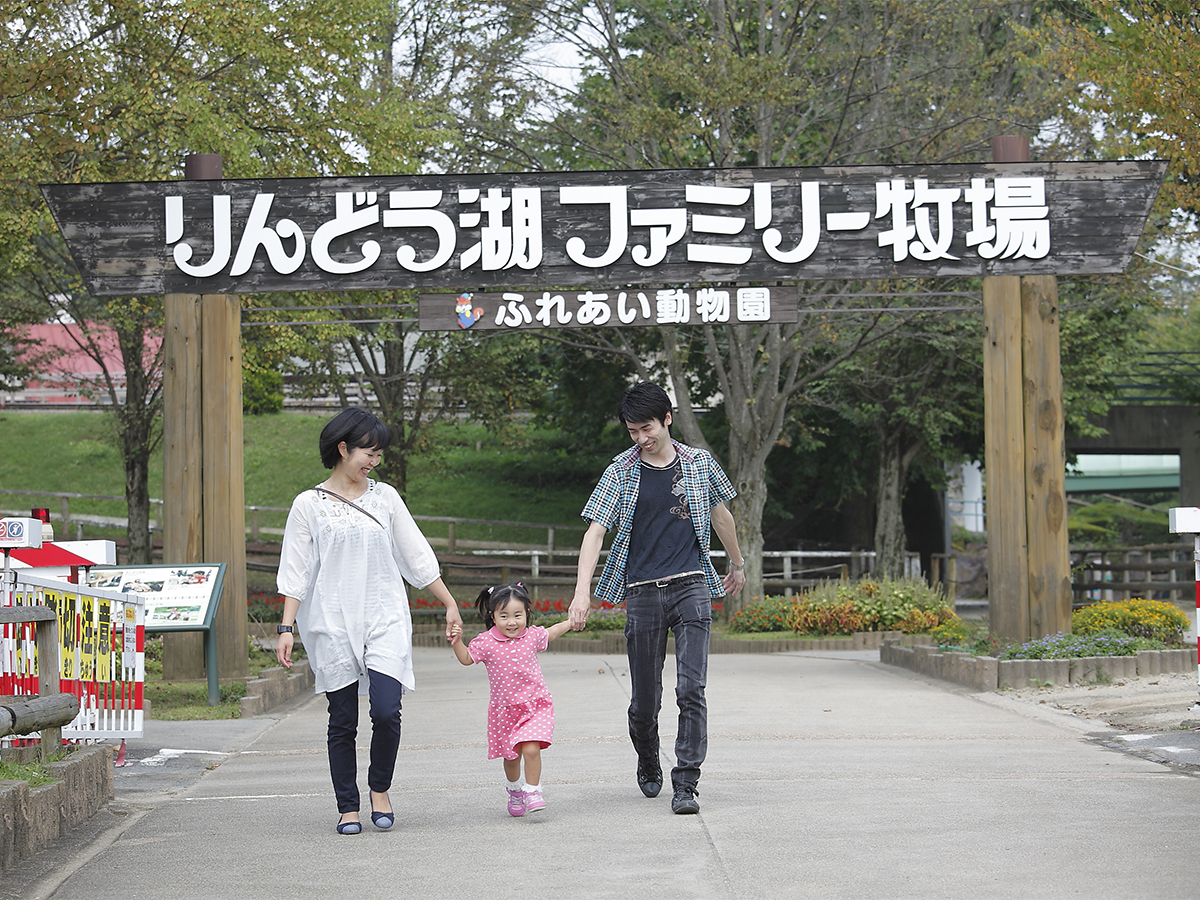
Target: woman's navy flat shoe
[[383, 819], [349, 827]]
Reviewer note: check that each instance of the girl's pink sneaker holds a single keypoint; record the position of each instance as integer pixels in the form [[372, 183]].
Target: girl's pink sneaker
[[534, 801], [516, 802]]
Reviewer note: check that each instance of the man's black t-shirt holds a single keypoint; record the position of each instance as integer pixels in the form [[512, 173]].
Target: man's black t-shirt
[[663, 539]]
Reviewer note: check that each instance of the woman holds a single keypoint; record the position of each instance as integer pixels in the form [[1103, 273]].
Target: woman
[[347, 544]]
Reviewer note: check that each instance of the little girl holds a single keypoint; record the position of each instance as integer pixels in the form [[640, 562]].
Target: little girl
[[521, 711]]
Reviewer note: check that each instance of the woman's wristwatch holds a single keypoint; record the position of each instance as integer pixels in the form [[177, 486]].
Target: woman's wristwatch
[[285, 629], [738, 566]]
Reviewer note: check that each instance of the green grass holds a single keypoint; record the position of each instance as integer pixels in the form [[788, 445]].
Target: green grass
[[188, 700], [33, 772], [531, 477]]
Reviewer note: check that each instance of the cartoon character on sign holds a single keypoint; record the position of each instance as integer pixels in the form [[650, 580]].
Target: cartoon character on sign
[[466, 315]]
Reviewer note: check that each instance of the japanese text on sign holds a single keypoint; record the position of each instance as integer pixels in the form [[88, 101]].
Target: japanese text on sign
[[498, 230], [511, 310]]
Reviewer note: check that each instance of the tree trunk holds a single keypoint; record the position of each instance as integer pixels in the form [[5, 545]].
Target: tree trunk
[[889, 519], [137, 498], [135, 426]]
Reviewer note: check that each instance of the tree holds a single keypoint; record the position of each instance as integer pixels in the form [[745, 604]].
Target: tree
[[919, 393], [123, 90], [1129, 65], [763, 83]]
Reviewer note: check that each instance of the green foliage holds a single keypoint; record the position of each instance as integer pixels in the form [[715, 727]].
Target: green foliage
[[769, 614], [907, 605], [606, 620], [1107, 642], [833, 618], [262, 390], [954, 633], [1156, 620], [35, 773], [1111, 524]]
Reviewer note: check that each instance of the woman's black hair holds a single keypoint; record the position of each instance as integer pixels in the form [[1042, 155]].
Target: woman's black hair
[[358, 428], [494, 598]]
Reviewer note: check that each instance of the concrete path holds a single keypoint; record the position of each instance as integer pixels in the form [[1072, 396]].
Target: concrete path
[[829, 775]]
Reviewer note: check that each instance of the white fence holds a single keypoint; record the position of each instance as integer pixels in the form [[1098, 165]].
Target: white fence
[[101, 651]]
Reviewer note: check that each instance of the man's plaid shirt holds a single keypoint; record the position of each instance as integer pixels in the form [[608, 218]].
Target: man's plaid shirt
[[615, 498]]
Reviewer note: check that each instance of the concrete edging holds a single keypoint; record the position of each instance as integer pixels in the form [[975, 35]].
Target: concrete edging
[[274, 686], [32, 818], [986, 673]]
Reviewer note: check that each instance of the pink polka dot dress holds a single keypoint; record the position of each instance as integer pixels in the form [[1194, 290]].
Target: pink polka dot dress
[[521, 708]]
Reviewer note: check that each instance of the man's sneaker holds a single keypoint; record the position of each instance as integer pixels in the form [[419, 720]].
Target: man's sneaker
[[534, 801], [649, 777], [684, 803], [516, 802]]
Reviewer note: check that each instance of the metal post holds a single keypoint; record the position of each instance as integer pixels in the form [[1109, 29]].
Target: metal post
[[1196, 558]]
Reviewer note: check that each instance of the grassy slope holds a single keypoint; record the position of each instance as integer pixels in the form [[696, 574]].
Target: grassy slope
[[476, 476]]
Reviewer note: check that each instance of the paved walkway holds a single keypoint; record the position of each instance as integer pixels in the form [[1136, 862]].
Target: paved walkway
[[829, 775]]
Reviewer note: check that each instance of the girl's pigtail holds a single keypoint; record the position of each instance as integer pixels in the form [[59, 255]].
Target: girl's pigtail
[[481, 604]]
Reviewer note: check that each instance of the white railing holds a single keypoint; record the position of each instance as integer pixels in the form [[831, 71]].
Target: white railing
[[792, 564], [101, 652]]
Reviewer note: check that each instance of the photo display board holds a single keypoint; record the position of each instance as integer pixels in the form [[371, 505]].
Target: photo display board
[[177, 598]]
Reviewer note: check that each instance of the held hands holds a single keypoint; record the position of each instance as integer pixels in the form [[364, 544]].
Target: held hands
[[453, 621]]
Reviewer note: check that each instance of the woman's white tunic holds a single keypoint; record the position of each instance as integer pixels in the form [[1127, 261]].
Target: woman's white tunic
[[348, 573]]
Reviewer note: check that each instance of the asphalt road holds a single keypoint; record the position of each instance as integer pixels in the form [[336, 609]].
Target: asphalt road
[[829, 775]]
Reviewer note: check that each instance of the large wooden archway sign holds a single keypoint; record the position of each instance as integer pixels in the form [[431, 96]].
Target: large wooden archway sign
[[571, 249]]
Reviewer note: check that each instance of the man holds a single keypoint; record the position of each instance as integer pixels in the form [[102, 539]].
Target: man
[[663, 497]]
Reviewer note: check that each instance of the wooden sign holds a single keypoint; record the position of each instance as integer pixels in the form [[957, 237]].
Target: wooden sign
[[478, 233]]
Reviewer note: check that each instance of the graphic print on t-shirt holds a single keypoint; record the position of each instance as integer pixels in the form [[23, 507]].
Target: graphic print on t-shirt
[[679, 489]]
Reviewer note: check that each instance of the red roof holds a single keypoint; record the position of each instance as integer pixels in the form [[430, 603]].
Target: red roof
[[49, 555]]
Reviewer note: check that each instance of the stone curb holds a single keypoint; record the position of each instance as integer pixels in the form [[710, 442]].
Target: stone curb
[[986, 673], [32, 818], [274, 686]]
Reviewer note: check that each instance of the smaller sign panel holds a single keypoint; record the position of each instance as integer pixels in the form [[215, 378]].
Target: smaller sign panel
[[182, 598], [528, 310]]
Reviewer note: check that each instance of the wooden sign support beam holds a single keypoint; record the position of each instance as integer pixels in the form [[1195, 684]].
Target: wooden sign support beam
[[203, 471], [1029, 588]]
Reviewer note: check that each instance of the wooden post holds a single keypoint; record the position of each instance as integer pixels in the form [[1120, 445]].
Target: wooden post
[[224, 500], [1004, 459], [1029, 587], [1045, 460], [203, 482]]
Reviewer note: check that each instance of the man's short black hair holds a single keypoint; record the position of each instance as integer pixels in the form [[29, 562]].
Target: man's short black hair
[[643, 402], [358, 428]]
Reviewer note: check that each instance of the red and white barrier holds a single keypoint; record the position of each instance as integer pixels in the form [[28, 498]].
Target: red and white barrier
[[101, 651]]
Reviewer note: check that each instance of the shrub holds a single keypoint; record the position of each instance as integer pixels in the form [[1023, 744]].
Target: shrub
[[265, 607], [606, 618], [1153, 619], [887, 605], [262, 390], [846, 607], [814, 618], [952, 633], [1108, 642], [768, 614]]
